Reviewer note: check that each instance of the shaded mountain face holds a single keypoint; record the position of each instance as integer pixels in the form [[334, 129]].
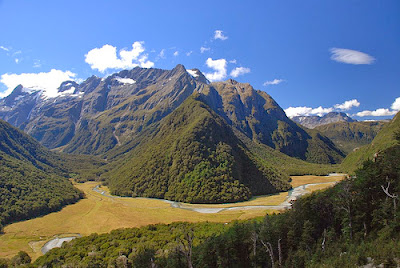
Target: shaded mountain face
[[192, 155], [314, 121], [349, 136], [101, 114]]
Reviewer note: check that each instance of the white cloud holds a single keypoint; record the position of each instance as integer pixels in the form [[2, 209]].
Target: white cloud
[[233, 61], [162, 54], [347, 105], [350, 56], [106, 57], [189, 53], [204, 49], [307, 111], [37, 64], [4, 48], [396, 104], [377, 112], [240, 71], [16, 60], [297, 111], [220, 69], [218, 34], [394, 109], [320, 111], [273, 82], [47, 82], [176, 53]]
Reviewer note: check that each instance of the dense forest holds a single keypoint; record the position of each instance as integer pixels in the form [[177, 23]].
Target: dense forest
[[27, 192], [33, 180], [352, 224]]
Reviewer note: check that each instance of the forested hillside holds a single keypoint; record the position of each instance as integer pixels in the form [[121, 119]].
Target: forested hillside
[[352, 224], [27, 192], [193, 156], [30, 181]]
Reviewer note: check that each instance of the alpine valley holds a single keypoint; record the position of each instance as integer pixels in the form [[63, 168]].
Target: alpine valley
[[173, 135]]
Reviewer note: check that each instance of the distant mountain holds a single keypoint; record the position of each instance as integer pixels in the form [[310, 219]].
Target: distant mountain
[[100, 115], [192, 155], [349, 136], [29, 182], [383, 140], [315, 121]]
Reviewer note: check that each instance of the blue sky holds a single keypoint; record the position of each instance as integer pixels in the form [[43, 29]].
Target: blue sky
[[313, 56]]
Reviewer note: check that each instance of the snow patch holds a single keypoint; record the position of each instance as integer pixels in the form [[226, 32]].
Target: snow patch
[[193, 73], [79, 95], [29, 90], [67, 92], [125, 80]]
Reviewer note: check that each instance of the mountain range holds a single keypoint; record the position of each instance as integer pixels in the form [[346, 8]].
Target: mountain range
[[313, 121], [100, 114], [171, 133]]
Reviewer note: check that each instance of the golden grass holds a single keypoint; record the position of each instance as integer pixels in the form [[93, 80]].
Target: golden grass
[[265, 200], [100, 214], [301, 180], [313, 188]]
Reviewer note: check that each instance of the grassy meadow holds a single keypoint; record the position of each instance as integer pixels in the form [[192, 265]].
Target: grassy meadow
[[100, 214]]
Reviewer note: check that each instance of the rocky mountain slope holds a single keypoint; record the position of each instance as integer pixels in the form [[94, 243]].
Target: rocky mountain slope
[[315, 121]]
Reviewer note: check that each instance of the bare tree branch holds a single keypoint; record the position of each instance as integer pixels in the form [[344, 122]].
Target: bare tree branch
[[392, 196], [268, 246]]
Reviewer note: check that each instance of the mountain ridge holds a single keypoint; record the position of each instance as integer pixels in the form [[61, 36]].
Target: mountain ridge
[[100, 114]]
